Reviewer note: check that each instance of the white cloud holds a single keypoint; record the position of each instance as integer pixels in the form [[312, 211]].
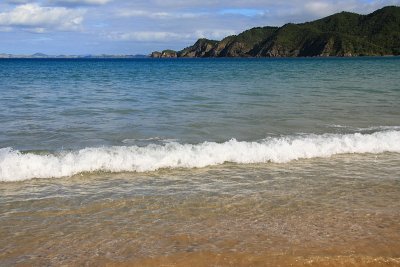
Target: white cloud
[[62, 2], [164, 36], [80, 2], [158, 14], [145, 36], [319, 7], [325, 8], [18, 2], [213, 34], [40, 19]]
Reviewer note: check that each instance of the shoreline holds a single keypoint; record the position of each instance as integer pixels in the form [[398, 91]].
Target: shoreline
[[324, 212]]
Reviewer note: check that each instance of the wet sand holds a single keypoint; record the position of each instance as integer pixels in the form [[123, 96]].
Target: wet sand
[[341, 211], [247, 259]]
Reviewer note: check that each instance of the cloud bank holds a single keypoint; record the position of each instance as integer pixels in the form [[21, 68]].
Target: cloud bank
[[41, 19]]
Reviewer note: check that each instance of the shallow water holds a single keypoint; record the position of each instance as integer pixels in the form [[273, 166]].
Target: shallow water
[[230, 162], [345, 206]]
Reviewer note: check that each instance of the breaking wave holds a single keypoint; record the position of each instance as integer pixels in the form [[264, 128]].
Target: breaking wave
[[18, 166]]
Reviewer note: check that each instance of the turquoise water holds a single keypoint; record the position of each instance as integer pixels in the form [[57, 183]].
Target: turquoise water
[[207, 159]]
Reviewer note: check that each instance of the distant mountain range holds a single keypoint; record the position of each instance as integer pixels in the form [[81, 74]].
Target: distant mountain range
[[341, 34], [41, 55]]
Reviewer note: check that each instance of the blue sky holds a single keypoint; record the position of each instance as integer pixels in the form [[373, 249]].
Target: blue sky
[[142, 26]]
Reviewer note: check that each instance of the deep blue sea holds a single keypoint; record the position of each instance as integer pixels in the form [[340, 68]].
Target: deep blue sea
[[197, 161]]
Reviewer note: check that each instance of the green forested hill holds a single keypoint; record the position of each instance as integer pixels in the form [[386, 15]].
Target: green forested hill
[[341, 34]]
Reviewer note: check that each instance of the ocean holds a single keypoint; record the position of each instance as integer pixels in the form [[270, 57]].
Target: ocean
[[200, 162]]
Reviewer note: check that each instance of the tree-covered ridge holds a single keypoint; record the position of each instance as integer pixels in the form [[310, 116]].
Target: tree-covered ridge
[[341, 34]]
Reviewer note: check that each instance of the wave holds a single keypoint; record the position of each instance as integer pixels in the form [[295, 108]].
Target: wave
[[367, 129], [148, 140], [18, 166]]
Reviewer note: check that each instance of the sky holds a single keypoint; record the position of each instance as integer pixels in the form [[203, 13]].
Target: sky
[[80, 27]]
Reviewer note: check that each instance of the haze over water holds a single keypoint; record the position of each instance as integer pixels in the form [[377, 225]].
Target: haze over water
[[196, 161]]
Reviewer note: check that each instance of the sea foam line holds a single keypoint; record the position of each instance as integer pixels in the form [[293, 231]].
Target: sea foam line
[[17, 166]]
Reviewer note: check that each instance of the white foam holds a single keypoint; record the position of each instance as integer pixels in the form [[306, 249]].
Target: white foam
[[17, 166], [154, 139]]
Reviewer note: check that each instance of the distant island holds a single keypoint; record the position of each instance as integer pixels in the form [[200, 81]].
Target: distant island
[[42, 56], [343, 34]]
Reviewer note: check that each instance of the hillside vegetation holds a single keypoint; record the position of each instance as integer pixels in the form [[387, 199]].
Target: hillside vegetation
[[341, 34]]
